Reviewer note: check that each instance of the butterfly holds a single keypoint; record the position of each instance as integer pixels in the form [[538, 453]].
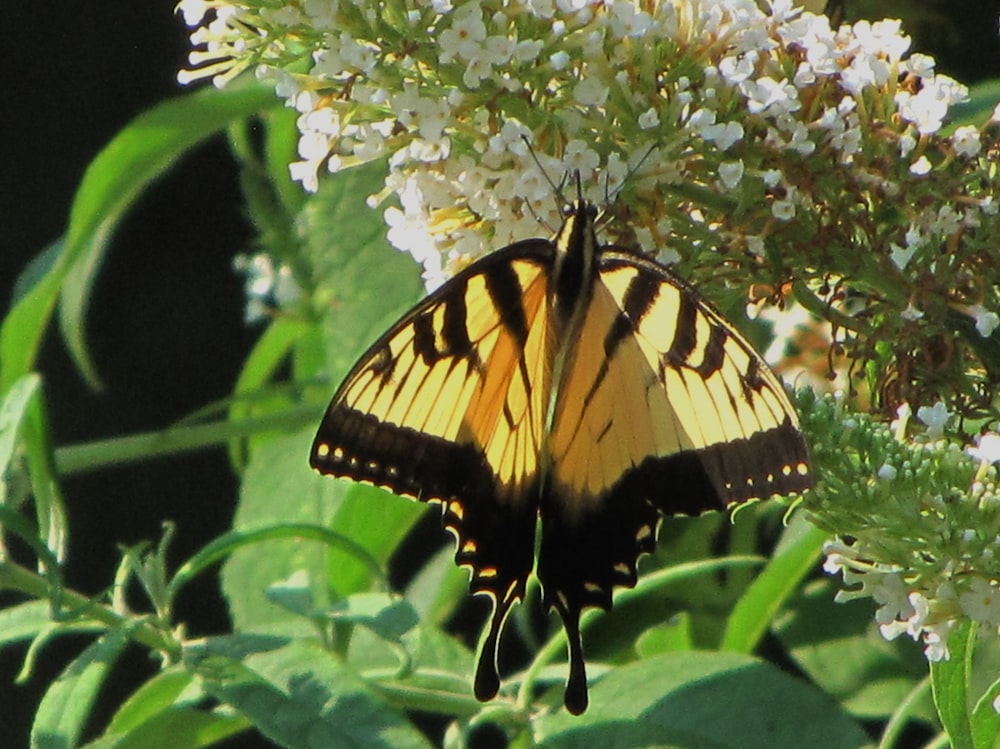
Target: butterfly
[[581, 387]]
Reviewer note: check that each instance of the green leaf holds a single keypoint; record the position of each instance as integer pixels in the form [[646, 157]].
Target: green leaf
[[23, 621], [374, 519], [362, 285], [278, 489], [268, 354], [24, 424], [950, 681], [23, 327], [161, 714], [142, 151], [388, 616], [13, 412], [178, 727], [155, 696], [986, 719], [983, 98], [303, 697], [840, 648], [65, 708], [707, 700], [438, 587], [794, 558], [673, 636], [293, 594], [223, 546]]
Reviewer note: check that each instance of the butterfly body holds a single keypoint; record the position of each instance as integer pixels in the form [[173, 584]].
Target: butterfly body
[[579, 384]]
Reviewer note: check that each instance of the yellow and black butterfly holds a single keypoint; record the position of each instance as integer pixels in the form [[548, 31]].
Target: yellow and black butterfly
[[581, 384]]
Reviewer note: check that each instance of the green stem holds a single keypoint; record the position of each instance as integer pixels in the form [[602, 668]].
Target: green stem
[[175, 439], [902, 714], [16, 577]]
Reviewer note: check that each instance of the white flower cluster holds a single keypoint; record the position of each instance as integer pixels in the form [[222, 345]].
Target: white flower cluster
[[450, 91], [924, 609], [926, 602]]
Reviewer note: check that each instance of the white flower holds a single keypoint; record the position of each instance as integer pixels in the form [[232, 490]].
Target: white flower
[[193, 10], [768, 96], [738, 69], [921, 166], [965, 141], [559, 60], [911, 313], [987, 448], [268, 285], [936, 641], [986, 320], [627, 21], [981, 602], [887, 472], [649, 119], [591, 92], [901, 256], [891, 593], [463, 39], [731, 172], [920, 65], [935, 417], [784, 209], [928, 107]]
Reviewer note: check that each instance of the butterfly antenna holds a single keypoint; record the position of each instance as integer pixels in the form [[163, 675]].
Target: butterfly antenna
[[628, 175], [557, 189]]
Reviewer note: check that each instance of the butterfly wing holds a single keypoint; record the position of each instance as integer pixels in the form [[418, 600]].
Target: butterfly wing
[[664, 408], [449, 406]]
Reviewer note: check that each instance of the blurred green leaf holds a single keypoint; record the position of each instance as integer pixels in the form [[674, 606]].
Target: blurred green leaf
[[791, 561], [303, 697], [374, 519], [278, 488], [174, 728], [439, 586], [950, 679], [23, 327], [388, 616], [669, 637], [983, 98], [65, 708], [706, 700], [155, 696], [986, 719], [362, 285], [142, 151], [839, 647], [252, 395], [13, 412]]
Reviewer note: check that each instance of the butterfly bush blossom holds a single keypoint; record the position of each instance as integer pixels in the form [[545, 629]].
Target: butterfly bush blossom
[[743, 142]]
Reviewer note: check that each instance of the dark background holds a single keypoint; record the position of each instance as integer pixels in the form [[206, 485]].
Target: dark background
[[166, 325]]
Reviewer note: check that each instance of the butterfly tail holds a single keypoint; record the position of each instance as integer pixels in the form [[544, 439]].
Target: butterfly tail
[[487, 680], [575, 697]]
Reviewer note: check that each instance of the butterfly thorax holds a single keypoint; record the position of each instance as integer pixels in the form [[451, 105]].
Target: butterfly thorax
[[573, 274]]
